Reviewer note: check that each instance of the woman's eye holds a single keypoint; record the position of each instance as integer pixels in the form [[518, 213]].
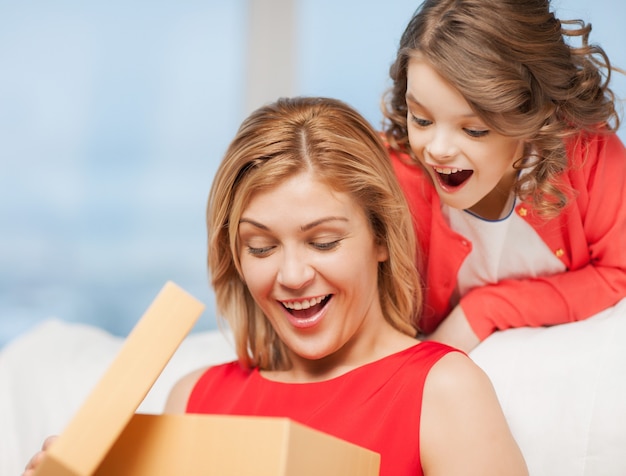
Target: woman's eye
[[420, 122], [324, 246], [476, 132], [263, 251]]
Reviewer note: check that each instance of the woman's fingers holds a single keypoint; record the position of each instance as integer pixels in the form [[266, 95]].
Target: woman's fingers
[[35, 461]]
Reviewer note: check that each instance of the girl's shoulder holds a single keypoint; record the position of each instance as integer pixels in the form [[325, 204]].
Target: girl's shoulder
[[414, 180], [586, 149]]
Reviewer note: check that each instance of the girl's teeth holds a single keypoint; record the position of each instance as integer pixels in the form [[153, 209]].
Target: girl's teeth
[[446, 171], [299, 305]]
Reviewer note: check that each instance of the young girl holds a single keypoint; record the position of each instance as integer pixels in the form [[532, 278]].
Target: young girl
[[312, 258], [502, 134]]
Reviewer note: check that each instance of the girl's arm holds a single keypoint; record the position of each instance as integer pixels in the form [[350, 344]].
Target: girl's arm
[[455, 331], [463, 429], [590, 238]]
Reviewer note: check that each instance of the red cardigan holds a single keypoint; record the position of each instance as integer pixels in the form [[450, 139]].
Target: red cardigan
[[588, 236]]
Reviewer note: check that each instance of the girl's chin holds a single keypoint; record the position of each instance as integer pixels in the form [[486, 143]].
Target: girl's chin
[[454, 201]]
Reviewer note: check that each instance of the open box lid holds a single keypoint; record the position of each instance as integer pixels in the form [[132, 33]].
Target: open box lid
[[95, 427]]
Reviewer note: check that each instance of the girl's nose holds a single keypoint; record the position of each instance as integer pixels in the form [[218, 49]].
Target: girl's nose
[[295, 272], [441, 147]]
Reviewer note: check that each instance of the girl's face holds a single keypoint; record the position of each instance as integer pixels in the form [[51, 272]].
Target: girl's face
[[310, 261], [470, 165]]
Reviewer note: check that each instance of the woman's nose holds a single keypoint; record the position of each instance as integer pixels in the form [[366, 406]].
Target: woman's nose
[[295, 272]]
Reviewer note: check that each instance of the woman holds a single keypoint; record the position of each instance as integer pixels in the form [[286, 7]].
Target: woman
[[312, 258]]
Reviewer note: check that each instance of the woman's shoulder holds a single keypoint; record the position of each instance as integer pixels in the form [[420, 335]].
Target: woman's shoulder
[[454, 372], [179, 395], [457, 386], [463, 423], [181, 391]]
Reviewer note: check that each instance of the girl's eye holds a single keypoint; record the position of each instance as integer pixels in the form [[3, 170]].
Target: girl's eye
[[420, 122], [330, 245], [476, 132]]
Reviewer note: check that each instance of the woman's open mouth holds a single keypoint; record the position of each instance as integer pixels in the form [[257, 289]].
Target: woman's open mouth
[[452, 178], [306, 312]]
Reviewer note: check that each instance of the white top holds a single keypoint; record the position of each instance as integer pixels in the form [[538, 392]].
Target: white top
[[507, 248]]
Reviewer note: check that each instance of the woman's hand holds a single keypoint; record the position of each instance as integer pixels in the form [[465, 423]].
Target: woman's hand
[[35, 461]]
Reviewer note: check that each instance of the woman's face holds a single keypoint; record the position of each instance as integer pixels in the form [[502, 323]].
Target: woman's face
[[310, 261], [470, 165]]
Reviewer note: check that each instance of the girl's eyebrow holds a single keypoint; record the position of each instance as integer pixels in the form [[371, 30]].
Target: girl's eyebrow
[[409, 98], [306, 227]]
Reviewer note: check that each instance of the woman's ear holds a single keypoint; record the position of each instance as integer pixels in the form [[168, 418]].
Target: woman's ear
[[382, 252]]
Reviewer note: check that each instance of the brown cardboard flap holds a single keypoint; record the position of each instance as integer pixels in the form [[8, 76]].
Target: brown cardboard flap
[[90, 434], [195, 445], [107, 438]]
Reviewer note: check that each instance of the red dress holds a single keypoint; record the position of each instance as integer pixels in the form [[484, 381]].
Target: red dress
[[376, 406]]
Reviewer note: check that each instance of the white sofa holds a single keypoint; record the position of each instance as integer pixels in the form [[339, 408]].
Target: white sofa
[[563, 388]]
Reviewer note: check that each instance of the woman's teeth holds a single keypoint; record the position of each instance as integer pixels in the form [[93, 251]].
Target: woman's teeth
[[306, 304]]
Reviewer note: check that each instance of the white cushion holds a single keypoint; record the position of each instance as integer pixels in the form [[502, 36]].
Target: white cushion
[[47, 373], [563, 388]]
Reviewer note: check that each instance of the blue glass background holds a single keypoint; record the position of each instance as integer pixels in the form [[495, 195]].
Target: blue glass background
[[114, 115]]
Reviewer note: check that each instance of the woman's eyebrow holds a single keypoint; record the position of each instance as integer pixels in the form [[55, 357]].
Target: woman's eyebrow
[[321, 221], [306, 227], [253, 223]]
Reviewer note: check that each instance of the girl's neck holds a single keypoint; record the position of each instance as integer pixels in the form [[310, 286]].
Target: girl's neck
[[496, 203]]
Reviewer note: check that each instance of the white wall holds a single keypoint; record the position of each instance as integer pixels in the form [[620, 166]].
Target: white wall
[[113, 116]]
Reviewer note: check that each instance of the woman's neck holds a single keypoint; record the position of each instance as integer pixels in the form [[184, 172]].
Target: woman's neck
[[352, 355]]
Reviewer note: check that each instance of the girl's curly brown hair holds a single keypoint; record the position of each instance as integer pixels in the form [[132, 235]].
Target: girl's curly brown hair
[[515, 64]]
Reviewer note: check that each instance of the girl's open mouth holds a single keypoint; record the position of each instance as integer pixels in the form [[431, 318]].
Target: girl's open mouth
[[450, 177]]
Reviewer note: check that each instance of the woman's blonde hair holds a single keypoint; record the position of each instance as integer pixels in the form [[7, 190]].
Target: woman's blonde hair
[[334, 142], [511, 62]]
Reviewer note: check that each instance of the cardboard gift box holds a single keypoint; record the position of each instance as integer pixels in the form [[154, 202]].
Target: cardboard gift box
[[107, 437]]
